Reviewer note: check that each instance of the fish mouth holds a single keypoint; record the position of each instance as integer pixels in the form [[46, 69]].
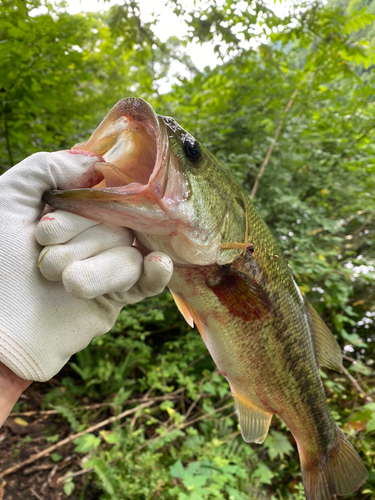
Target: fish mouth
[[131, 141]]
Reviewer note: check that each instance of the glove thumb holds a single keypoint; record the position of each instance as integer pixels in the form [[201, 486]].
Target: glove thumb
[[25, 183]]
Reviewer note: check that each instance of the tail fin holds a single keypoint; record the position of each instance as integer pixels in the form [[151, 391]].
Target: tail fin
[[342, 473]]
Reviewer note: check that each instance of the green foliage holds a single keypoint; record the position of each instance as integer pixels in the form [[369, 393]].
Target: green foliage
[[86, 443], [309, 75], [69, 487], [278, 445], [204, 479], [61, 73]]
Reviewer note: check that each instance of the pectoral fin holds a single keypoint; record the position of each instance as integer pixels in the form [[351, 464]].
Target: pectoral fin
[[184, 309], [328, 350], [254, 422]]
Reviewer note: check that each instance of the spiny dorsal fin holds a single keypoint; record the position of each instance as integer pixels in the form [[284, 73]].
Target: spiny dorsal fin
[[328, 350], [254, 422]]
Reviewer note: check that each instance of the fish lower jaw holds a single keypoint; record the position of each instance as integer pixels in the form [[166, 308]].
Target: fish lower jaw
[[182, 251]]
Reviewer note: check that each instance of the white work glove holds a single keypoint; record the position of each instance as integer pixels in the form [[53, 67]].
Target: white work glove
[[41, 326]]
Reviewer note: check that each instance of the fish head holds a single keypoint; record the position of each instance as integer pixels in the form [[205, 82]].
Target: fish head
[[162, 183]]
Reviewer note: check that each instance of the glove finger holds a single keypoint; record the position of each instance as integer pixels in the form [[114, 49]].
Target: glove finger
[[158, 270], [60, 227], [53, 259], [115, 269], [40, 172]]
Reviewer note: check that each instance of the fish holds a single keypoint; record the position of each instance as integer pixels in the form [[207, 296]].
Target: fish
[[230, 279]]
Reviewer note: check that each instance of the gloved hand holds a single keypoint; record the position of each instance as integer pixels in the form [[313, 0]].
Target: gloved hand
[[41, 325]]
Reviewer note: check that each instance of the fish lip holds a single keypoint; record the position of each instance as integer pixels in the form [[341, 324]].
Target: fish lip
[[142, 112], [95, 194]]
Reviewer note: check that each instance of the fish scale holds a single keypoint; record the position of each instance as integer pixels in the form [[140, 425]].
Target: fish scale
[[264, 336]]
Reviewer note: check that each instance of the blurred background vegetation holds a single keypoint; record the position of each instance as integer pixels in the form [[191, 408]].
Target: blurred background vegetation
[[302, 82]]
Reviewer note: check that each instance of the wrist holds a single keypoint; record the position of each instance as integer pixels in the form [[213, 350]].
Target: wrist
[[11, 388]]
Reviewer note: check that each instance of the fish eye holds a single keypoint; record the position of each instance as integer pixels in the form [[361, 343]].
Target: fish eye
[[192, 151]]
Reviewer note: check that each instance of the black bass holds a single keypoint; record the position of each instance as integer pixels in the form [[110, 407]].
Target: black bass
[[230, 279]]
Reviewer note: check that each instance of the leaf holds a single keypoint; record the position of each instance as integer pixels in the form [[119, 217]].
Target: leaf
[[371, 424], [21, 421], [86, 443], [52, 439], [68, 487], [110, 437], [177, 470], [194, 481], [263, 473], [235, 494], [278, 445]]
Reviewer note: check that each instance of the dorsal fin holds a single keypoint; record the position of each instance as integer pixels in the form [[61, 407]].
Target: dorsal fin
[[328, 350]]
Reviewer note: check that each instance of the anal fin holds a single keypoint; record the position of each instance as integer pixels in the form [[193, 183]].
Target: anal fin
[[254, 422], [328, 350]]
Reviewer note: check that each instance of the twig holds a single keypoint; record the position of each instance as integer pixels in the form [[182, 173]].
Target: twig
[[166, 329], [54, 412], [48, 482], [37, 468], [198, 419], [202, 417], [355, 361], [71, 438], [193, 405], [276, 136], [2, 486], [362, 227], [194, 362], [96, 405], [366, 397], [36, 494], [70, 475]]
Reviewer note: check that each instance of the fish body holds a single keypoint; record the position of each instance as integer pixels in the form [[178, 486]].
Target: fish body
[[230, 279]]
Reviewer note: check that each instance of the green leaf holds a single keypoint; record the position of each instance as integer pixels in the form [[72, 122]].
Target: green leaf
[[86, 443], [194, 481], [371, 424], [177, 470], [263, 474], [278, 445], [53, 439], [68, 487]]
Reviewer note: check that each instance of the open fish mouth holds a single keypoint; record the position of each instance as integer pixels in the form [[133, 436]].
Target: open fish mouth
[[133, 141], [130, 140]]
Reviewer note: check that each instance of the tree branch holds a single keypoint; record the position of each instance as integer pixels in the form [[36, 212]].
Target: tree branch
[[276, 136], [366, 397]]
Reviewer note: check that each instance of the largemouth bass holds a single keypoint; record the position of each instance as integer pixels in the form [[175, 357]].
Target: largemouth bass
[[230, 279]]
